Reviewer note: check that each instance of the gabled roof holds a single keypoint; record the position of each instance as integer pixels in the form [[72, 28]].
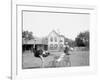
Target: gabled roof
[[53, 31], [56, 32]]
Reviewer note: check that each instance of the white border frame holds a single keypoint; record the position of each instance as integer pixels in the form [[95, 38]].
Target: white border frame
[[16, 69]]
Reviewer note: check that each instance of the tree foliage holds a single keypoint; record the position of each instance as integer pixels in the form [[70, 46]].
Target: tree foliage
[[82, 39], [26, 36]]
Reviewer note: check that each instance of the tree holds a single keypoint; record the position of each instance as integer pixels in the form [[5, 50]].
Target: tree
[[79, 42], [26, 36], [82, 39]]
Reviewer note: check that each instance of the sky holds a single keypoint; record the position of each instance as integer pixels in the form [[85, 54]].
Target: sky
[[42, 23]]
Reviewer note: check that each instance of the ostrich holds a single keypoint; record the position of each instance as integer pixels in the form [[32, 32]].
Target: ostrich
[[40, 53]]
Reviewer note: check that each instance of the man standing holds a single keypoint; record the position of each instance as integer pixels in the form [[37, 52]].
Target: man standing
[[66, 50]]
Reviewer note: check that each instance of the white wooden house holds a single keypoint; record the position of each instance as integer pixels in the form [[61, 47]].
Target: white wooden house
[[55, 41]]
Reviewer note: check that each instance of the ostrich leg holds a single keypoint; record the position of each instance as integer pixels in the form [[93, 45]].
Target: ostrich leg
[[42, 59]]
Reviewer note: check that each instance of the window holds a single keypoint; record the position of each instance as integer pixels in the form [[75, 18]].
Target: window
[[55, 39], [61, 45], [51, 46], [61, 40], [56, 46], [51, 39]]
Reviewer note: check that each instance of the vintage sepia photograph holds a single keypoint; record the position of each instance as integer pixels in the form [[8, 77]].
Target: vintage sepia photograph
[[52, 39]]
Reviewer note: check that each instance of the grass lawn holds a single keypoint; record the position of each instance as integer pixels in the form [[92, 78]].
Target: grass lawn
[[76, 58]]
